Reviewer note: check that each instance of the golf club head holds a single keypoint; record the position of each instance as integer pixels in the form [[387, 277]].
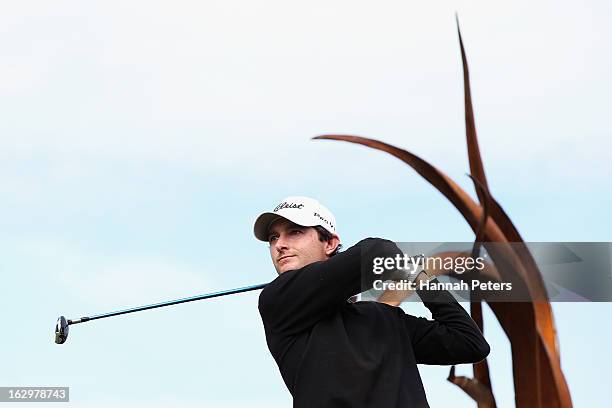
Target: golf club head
[[61, 330]]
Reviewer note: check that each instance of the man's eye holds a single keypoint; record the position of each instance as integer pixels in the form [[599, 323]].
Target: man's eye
[[272, 238], [296, 232]]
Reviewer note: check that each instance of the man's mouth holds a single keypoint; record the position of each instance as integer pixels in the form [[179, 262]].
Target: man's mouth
[[284, 257]]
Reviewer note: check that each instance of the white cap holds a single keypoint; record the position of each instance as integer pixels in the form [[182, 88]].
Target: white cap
[[304, 211]]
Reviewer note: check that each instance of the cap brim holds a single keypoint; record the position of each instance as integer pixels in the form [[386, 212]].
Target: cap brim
[[262, 225], [265, 220]]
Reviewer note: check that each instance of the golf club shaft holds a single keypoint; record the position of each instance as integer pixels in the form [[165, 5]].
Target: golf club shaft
[[168, 303]]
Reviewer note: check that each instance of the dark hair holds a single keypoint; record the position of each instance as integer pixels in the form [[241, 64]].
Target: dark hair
[[325, 235]]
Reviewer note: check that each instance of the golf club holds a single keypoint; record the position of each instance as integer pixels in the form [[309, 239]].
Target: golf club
[[62, 325]]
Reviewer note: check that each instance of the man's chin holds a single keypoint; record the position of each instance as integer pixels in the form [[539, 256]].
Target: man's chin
[[284, 269], [288, 266]]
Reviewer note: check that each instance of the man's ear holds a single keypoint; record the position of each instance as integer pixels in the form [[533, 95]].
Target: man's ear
[[332, 244]]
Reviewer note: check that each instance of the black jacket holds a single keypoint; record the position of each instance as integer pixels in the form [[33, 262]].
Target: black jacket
[[332, 353]]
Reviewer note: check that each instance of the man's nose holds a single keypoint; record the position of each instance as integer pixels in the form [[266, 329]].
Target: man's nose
[[280, 243]]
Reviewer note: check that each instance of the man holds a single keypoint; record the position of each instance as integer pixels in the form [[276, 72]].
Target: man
[[335, 353]]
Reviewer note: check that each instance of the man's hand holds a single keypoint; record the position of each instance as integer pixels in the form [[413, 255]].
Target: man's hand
[[396, 297]]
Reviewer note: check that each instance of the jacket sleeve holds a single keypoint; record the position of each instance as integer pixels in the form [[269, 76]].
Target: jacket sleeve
[[452, 337], [297, 299]]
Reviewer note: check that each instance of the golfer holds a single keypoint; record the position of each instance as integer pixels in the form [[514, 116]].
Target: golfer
[[333, 352]]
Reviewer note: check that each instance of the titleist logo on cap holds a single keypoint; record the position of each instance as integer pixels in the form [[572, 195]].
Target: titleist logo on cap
[[285, 204]]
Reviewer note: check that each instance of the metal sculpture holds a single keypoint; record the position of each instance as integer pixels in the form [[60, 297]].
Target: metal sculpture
[[538, 378]]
